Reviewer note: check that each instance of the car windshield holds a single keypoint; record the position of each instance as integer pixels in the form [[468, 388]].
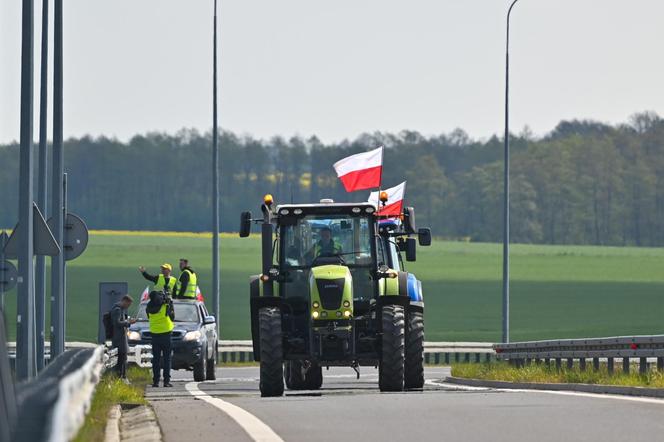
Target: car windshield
[[183, 312], [317, 236]]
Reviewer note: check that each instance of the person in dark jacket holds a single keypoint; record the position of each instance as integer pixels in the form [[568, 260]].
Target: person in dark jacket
[[120, 322]]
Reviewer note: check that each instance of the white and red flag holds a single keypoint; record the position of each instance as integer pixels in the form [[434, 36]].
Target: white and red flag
[[145, 296], [394, 204], [361, 171], [199, 295]]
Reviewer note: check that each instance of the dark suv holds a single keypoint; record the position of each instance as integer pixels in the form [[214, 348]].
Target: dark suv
[[194, 338]]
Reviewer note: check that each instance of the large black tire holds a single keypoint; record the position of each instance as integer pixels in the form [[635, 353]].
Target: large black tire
[[312, 380], [200, 368], [391, 367], [271, 371], [414, 365], [293, 375], [211, 372]]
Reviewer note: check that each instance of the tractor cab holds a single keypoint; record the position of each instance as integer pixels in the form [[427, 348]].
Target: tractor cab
[[328, 293]]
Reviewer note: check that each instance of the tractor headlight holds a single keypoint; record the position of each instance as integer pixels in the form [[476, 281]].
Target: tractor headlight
[[315, 315], [347, 314], [133, 336], [346, 304], [192, 336], [316, 304]]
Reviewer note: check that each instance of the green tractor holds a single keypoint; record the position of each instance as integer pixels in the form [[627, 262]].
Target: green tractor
[[332, 293]]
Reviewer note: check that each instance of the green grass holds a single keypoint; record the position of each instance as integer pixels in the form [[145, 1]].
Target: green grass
[[542, 374], [556, 291], [111, 391]]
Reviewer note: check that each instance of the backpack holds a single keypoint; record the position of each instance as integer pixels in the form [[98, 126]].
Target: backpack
[[108, 325]]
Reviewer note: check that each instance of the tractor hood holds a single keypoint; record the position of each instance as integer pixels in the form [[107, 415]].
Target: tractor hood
[[331, 288]]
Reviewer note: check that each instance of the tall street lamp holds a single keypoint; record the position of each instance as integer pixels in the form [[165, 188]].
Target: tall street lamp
[[506, 190]]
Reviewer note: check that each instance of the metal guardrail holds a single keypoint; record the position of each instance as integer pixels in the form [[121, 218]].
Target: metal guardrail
[[647, 349], [52, 406], [242, 351]]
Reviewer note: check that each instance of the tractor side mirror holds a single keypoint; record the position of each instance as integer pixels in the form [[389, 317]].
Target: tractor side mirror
[[411, 249], [245, 224], [424, 236], [409, 220]]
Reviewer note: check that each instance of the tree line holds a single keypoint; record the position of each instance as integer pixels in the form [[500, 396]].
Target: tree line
[[583, 183]]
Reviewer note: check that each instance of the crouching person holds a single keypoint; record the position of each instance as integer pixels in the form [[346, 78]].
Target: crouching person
[[161, 316]]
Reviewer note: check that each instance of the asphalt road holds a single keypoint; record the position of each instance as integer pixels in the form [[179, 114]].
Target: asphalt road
[[346, 409]]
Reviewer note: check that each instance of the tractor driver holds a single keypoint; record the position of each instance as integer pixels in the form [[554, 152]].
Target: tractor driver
[[326, 246]]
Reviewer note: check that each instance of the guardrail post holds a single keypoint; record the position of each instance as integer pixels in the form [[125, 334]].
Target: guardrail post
[[528, 361], [466, 358], [643, 365], [477, 358], [626, 365], [570, 363], [660, 364], [582, 364], [547, 362], [596, 364], [558, 364], [609, 365]]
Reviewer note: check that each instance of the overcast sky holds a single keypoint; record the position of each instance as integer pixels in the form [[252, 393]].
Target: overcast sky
[[339, 68]]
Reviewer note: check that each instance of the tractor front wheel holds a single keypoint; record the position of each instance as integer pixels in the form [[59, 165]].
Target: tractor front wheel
[[271, 370], [414, 365], [391, 367]]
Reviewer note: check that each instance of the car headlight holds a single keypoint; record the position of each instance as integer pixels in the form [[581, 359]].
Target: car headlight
[[133, 336], [192, 336]]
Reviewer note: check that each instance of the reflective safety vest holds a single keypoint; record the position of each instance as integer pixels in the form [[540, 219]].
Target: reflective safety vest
[[160, 322], [161, 283], [330, 249], [190, 291]]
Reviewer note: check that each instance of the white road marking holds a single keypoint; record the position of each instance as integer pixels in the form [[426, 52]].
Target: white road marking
[[255, 428], [646, 400]]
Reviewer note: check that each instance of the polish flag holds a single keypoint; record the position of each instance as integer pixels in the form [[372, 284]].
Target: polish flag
[[361, 171], [394, 204], [145, 297], [199, 295]]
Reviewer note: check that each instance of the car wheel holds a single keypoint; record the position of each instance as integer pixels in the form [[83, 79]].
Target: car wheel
[[211, 373], [200, 368]]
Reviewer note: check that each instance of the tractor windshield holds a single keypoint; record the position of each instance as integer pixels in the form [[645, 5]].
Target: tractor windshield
[[327, 236]]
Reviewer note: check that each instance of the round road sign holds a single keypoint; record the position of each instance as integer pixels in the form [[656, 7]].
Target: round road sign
[[9, 277], [76, 236]]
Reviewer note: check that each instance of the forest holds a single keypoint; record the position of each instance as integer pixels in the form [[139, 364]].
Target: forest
[[585, 182]]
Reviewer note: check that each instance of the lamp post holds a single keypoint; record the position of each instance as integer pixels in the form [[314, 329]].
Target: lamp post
[[215, 177], [506, 190]]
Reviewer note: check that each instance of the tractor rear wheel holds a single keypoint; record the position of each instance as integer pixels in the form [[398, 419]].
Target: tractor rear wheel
[[391, 367], [271, 371], [295, 380], [414, 365], [293, 375], [314, 377]]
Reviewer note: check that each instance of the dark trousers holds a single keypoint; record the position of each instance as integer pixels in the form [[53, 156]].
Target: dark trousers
[[161, 353], [121, 366]]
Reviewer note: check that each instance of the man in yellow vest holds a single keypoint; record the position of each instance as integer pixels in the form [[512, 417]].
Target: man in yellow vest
[[186, 286], [161, 316], [163, 281]]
